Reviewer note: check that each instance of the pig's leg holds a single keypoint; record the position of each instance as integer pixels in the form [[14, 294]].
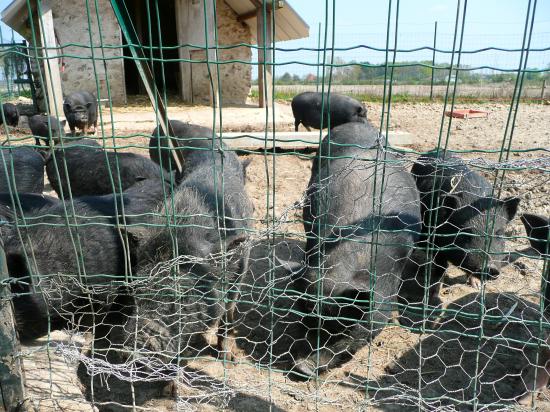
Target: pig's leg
[[474, 281]]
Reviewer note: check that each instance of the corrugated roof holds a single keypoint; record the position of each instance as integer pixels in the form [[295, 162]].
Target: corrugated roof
[[288, 24]]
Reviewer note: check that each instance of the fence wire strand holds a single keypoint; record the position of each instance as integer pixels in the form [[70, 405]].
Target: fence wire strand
[[343, 268]]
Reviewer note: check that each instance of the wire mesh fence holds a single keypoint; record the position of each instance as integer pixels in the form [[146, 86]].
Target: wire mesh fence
[[170, 245], [15, 79]]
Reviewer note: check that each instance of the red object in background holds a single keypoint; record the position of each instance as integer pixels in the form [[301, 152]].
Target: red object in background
[[466, 113]]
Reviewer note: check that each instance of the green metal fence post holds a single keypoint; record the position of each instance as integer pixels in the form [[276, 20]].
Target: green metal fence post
[[318, 58], [433, 63]]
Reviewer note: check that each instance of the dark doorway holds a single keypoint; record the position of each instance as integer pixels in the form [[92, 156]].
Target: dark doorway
[[147, 16]]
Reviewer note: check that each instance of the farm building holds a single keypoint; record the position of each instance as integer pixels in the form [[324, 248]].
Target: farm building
[[65, 31]]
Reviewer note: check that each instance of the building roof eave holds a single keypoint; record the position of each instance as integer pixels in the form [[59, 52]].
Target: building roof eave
[[289, 25], [16, 15]]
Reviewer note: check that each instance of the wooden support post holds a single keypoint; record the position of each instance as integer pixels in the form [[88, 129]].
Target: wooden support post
[[144, 40], [211, 53], [51, 62], [191, 30], [12, 379], [182, 21], [265, 85]]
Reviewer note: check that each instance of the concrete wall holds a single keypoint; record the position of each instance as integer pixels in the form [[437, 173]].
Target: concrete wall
[[235, 78], [71, 25]]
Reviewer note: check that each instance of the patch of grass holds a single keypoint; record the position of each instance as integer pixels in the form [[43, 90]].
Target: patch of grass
[[26, 93], [406, 98]]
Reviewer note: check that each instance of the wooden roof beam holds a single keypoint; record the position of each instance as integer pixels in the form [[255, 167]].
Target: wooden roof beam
[[247, 16], [259, 6]]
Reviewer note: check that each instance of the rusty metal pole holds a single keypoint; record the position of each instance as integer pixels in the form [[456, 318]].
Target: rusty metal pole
[[12, 378]]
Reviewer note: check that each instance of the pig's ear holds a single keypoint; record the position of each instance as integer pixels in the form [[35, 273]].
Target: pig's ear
[[538, 230], [533, 222], [510, 206]]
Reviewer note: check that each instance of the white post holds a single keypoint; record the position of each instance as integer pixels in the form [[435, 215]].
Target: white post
[[182, 21], [191, 30], [210, 32], [51, 62]]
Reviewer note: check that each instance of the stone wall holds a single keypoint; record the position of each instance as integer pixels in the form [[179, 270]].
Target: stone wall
[[235, 78], [80, 72]]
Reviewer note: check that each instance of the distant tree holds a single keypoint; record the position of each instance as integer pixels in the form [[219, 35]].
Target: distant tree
[[408, 72], [285, 78]]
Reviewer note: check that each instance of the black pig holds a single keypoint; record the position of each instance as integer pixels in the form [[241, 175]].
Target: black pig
[[25, 203], [194, 140], [80, 109], [27, 174], [209, 214], [538, 230], [89, 168], [41, 126], [362, 218], [59, 268], [459, 214], [11, 114], [166, 316], [306, 108], [226, 195]]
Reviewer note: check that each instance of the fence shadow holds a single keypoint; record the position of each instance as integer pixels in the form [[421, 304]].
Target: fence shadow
[[467, 359]]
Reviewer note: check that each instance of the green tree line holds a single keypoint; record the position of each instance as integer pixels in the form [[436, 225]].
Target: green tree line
[[409, 72]]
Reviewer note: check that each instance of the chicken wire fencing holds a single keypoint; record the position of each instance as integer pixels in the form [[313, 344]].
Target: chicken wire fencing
[[245, 264]]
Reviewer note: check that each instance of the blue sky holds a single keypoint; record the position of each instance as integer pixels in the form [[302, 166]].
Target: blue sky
[[498, 23]]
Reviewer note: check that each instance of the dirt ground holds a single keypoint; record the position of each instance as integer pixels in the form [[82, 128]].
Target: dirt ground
[[277, 182]]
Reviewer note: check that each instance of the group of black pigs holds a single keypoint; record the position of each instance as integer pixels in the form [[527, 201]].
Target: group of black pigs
[[379, 237]]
